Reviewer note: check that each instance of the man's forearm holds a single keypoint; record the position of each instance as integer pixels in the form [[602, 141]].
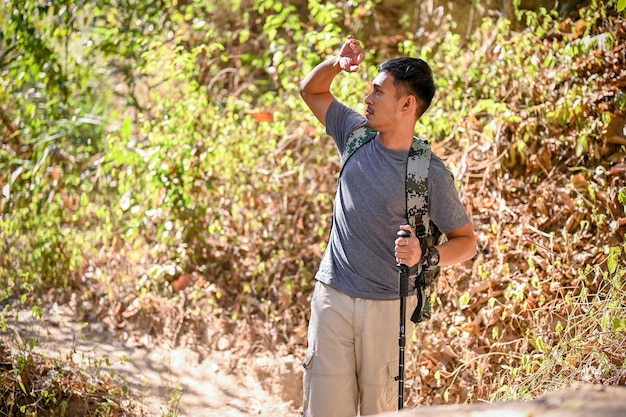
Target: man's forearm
[[319, 80], [315, 88], [456, 250], [460, 246]]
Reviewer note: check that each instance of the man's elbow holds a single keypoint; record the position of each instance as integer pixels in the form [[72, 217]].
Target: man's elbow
[[310, 97], [304, 88], [472, 250], [471, 245], [306, 96]]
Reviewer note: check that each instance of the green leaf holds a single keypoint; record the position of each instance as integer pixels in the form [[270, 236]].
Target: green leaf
[[19, 380], [613, 261], [541, 346], [464, 300], [126, 130]]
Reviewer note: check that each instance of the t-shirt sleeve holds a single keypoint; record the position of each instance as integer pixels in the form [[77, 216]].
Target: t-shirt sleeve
[[445, 206], [341, 121]]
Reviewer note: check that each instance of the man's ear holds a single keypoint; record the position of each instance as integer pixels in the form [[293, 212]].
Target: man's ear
[[410, 103]]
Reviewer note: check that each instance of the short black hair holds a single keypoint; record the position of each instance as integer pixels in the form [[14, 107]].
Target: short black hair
[[412, 76]]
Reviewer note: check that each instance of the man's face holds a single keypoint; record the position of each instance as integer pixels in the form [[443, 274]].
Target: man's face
[[382, 102]]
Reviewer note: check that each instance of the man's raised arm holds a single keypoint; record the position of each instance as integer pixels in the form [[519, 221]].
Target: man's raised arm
[[315, 87]]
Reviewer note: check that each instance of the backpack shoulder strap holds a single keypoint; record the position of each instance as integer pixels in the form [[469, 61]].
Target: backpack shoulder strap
[[357, 138], [417, 167], [425, 229]]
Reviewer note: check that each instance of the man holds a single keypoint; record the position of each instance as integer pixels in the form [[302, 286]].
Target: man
[[352, 357]]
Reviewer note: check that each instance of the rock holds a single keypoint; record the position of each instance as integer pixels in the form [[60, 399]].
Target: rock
[[582, 401]]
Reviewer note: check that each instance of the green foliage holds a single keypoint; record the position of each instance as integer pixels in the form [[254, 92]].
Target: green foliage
[[52, 128]]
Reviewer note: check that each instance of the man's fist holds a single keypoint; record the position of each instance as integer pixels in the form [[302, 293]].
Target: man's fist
[[351, 55]]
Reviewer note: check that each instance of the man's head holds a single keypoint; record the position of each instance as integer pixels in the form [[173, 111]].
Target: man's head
[[412, 76]]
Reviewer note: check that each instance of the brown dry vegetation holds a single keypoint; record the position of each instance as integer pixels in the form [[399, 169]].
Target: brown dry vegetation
[[215, 226]]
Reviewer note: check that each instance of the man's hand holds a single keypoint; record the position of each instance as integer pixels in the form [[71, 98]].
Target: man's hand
[[408, 250], [350, 55], [460, 246], [315, 87]]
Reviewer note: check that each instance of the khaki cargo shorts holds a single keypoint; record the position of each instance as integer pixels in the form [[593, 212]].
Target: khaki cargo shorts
[[352, 356]]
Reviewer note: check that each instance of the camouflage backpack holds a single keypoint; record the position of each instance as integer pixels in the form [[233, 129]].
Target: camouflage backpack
[[416, 207]]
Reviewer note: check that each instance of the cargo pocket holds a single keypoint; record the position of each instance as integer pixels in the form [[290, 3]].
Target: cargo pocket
[[392, 382], [306, 381]]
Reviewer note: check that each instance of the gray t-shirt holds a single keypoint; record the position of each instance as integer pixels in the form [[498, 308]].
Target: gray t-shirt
[[370, 207]]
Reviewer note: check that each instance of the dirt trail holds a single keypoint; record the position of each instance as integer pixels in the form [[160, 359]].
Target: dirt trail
[[214, 384]]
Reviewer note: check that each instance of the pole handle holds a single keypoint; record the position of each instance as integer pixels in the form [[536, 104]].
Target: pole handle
[[403, 272], [403, 233]]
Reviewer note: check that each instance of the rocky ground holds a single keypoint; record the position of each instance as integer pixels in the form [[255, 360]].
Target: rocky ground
[[582, 401], [185, 380], [167, 380]]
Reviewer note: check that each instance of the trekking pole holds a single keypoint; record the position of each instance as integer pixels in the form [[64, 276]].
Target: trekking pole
[[403, 291]]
